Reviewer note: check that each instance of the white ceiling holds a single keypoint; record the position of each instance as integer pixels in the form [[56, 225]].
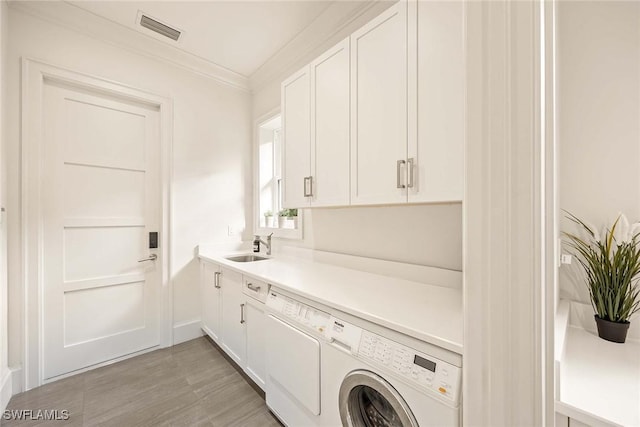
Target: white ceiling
[[238, 35]]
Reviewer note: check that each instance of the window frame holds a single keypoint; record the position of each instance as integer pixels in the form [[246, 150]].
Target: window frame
[[284, 233]]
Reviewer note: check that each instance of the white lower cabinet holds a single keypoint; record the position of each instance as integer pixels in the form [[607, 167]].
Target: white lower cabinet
[[233, 307], [210, 300], [255, 360], [233, 316]]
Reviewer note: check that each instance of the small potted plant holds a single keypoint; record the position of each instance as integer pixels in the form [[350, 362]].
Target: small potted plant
[[268, 219], [611, 262], [288, 218], [282, 217], [292, 216]]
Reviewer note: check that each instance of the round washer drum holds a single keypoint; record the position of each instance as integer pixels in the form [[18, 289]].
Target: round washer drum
[[367, 400]]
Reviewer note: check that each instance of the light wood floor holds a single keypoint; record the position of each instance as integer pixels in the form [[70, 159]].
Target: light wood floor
[[191, 384]]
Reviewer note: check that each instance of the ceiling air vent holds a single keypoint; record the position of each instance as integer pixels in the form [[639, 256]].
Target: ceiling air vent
[[159, 27]]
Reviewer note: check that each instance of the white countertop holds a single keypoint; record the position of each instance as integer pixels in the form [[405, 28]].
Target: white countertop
[[429, 313], [599, 380]]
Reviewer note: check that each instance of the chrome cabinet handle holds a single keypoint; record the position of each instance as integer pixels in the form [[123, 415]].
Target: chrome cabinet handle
[[152, 257], [399, 183], [253, 288], [308, 183], [241, 313], [304, 184], [410, 163], [216, 280]]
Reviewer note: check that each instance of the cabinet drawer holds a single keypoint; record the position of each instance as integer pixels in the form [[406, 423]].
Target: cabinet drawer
[[255, 288]]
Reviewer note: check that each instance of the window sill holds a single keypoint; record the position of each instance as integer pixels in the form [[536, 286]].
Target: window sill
[[282, 233]]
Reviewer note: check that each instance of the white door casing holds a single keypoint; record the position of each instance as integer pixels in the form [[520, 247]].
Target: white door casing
[[100, 198], [37, 226]]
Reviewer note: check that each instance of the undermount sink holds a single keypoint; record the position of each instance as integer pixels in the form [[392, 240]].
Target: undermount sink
[[246, 258]]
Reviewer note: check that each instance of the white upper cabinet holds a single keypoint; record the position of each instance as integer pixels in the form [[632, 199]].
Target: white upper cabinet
[[379, 109], [297, 139], [436, 101], [391, 132], [330, 127]]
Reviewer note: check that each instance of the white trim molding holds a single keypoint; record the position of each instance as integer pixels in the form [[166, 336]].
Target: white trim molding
[[504, 378], [338, 21], [77, 19], [186, 331], [6, 389], [34, 73]]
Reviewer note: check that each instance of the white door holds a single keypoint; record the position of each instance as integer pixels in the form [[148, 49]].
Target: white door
[[436, 145], [379, 109], [101, 197], [330, 127], [297, 144]]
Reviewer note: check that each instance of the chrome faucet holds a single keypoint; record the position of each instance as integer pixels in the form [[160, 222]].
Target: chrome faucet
[[256, 243]]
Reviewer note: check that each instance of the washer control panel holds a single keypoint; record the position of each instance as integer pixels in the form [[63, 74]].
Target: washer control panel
[[299, 313], [424, 371]]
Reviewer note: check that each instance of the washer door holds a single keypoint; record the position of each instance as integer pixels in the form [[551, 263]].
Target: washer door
[[367, 400]]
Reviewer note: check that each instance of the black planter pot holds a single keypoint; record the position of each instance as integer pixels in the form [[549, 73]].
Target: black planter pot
[[612, 331]]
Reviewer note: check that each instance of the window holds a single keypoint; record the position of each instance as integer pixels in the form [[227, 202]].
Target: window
[[270, 215]]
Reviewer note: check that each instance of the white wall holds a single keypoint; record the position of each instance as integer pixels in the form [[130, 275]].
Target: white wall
[[5, 380], [211, 152], [422, 234], [598, 122]]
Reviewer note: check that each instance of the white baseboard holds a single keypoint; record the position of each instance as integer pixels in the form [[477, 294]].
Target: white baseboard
[[186, 331], [17, 380], [6, 389]]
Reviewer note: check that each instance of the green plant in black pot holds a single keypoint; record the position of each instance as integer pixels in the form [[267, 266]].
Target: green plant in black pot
[[612, 266]]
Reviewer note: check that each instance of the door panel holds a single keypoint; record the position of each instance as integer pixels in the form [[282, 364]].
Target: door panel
[[122, 192], [101, 198], [101, 251], [104, 132], [103, 305]]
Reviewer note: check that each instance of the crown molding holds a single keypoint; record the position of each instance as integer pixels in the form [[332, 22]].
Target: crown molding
[[336, 22], [105, 30]]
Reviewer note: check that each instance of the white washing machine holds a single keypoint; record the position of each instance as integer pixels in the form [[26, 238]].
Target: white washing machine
[[369, 380]]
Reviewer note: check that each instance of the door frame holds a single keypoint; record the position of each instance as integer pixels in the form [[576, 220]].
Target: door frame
[[34, 74]]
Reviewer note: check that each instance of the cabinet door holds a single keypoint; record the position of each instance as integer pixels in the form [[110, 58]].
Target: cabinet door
[[436, 117], [255, 360], [297, 139], [233, 306], [379, 109], [330, 127], [210, 300]]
